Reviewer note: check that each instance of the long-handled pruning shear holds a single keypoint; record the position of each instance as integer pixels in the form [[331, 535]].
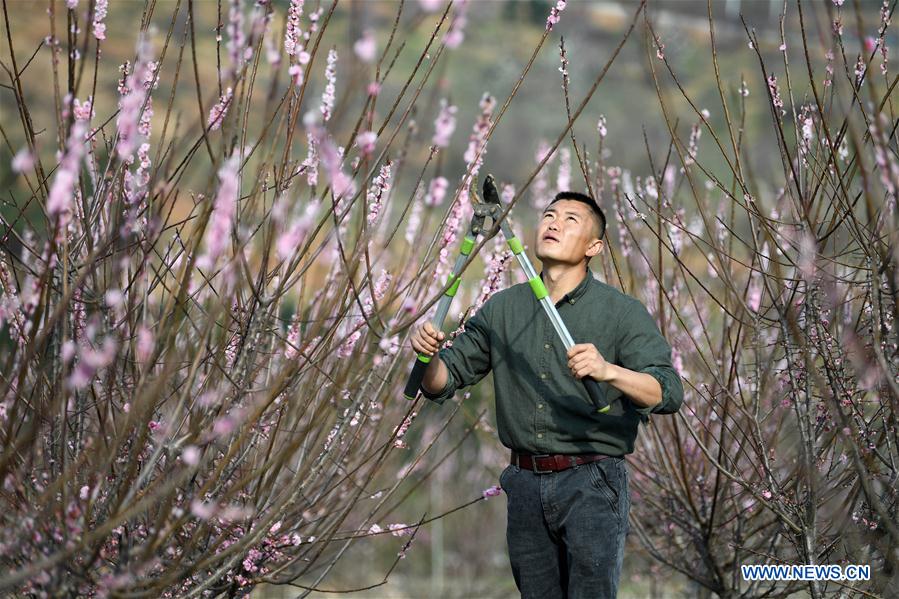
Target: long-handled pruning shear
[[493, 208]]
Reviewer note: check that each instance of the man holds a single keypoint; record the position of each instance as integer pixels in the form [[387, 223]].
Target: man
[[567, 483]]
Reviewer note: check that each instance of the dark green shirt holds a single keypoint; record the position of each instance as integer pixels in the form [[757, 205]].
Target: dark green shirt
[[540, 406]]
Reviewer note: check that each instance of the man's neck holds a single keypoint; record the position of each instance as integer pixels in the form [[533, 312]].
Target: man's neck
[[560, 279]]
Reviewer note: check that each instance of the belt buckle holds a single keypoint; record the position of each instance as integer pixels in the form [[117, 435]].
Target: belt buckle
[[537, 469]]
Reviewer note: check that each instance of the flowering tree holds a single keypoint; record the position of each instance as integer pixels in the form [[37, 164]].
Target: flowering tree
[[203, 295], [778, 293], [207, 276]]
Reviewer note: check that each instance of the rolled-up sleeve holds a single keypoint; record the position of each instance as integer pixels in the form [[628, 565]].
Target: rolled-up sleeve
[[468, 359], [642, 348]]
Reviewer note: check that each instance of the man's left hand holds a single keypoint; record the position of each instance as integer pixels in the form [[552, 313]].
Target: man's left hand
[[585, 360]]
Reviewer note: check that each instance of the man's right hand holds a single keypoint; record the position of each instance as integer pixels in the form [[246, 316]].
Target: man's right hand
[[426, 339]]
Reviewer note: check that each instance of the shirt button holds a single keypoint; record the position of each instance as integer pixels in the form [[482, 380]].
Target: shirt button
[[539, 435], [539, 406], [546, 346], [542, 375]]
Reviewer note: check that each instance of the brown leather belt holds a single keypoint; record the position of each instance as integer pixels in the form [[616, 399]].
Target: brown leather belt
[[545, 463]]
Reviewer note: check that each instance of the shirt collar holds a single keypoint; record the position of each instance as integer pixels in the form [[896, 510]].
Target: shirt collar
[[578, 292]]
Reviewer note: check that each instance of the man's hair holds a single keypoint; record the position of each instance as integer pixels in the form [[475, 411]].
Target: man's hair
[[585, 199]]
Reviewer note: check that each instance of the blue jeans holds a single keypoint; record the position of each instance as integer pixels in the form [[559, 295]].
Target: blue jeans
[[566, 530]]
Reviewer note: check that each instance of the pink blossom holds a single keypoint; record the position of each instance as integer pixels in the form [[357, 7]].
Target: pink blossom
[[209, 398], [91, 360], [563, 177], [660, 48], [293, 338], [296, 74], [563, 68], [808, 253], [808, 128], [342, 185], [427, 5], [272, 53], [346, 349], [145, 343], [218, 232], [493, 274], [292, 33], [477, 141], [113, 298], [22, 161], [224, 425], [754, 298], [436, 191], [860, 69], [191, 455], [134, 89], [389, 345], [99, 27], [83, 111], [507, 194], [601, 126], [375, 529], [838, 2], [71, 4], [62, 192], [414, 224], [677, 360], [327, 106], [313, 20], [399, 530], [136, 184], [693, 145], [366, 142], [456, 33], [555, 14], [540, 186], [201, 509], [492, 492], [366, 47], [382, 284], [380, 188], [84, 493], [373, 89], [775, 93], [289, 242], [217, 113], [239, 51], [401, 430], [444, 125], [310, 164], [68, 351], [450, 230]]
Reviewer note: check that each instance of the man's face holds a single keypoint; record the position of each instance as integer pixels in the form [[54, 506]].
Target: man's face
[[566, 233]]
